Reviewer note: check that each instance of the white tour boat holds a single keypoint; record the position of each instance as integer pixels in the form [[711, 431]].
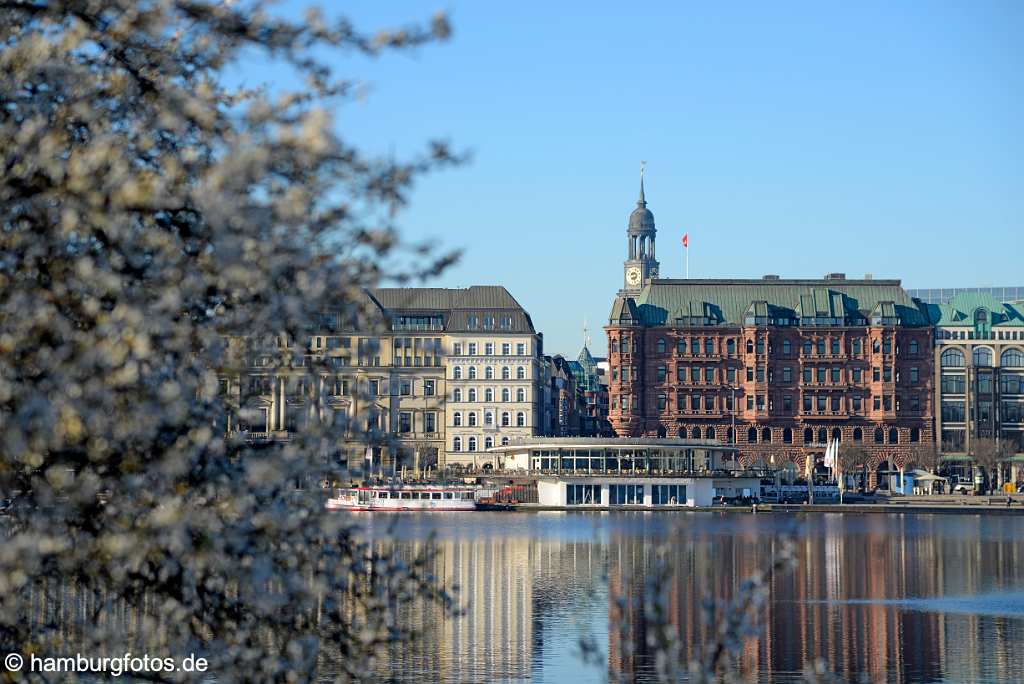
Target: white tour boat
[[403, 498]]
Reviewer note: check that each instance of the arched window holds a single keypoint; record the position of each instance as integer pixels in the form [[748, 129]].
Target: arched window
[[457, 372], [730, 437], [457, 394], [471, 416], [457, 420], [808, 435], [808, 347], [488, 442], [472, 394], [894, 436], [520, 394], [709, 433], [752, 436], [730, 347], [952, 358], [505, 419], [787, 436], [821, 347], [661, 346], [662, 431], [504, 441], [696, 433], [1012, 358], [750, 346], [472, 443], [457, 444], [915, 434], [520, 419], [505, 395], [982, 357], [488, 394], [506, 373], [472, 372], [876, 346], [488, 417], [520, 373], [858, 435], [879, 435], [837, 434], [489, 372], [822, 435], [766, 435], [682, 433], [681, 347]]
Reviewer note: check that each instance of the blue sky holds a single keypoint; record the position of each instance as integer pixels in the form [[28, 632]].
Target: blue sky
[[796, 138]]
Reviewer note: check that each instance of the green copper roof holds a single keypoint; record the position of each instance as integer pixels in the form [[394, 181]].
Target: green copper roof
[[731, 301], [960, 311]]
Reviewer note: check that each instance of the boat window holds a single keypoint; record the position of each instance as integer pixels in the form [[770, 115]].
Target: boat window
[[415, 495], [436, 495], [447, 495], [406, 495], [382, 495], [468, 496]]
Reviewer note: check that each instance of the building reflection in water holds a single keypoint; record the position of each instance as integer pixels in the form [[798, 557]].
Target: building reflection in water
[[886, 598]]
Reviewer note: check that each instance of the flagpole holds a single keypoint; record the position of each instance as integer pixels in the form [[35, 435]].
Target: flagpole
[[687, 250]]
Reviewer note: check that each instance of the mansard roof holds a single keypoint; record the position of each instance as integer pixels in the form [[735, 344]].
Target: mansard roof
[[456, 305], [731, 302], [961, 308]]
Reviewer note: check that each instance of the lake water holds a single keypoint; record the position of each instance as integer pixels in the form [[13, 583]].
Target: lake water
[[896, 598]]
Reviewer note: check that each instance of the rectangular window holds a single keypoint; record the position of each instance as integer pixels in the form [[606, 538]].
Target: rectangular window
[[405, 421], [428, 388], [760, 402], [876, 374], [430, 422], [709, 402], [373, 387], [914, 375], [856, 404], [857, 374], [582, 495], [709, 374], [750, 403], [506, 349], [472, 348], [807, 404], [787, 404], [835, 347], [750, 374], [405, 388], [821, 376], [625, 495], [820, 404], [808, 373], [835, 404], [520, 349], [681, 373], [661, 374], [835, 376], [489, 348], [876, 403], [472, 322], [662, 401], [695, 402], [887, 374], [731, 375], [668, 495], [787, 374], [760, 374], [457, 349], [887, 402]]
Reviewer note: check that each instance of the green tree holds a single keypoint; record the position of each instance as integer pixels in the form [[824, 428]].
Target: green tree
[[148, 214]]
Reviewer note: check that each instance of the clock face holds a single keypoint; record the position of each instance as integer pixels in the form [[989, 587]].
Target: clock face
[[633, 275]]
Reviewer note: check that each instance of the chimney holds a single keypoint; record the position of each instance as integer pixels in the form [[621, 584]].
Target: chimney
[[770, 276], [867, 276], [835, 276]]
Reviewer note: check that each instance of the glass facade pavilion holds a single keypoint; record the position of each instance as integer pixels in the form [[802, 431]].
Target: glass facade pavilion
[[595, 456]]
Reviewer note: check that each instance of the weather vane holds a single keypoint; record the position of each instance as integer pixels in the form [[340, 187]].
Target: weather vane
[[643, 165]]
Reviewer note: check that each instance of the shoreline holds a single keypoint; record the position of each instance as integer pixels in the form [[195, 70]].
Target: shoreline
[[990, 509]]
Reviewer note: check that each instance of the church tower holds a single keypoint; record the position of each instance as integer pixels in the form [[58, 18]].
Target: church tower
[[640, 267]]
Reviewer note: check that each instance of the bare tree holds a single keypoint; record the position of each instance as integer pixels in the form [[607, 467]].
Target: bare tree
[[148, 214], [852, 457], [924, 456], [987, 454]]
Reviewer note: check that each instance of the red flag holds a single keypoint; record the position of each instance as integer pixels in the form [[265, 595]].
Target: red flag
[[686, 240]]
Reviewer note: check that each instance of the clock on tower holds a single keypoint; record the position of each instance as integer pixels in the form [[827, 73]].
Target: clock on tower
[[640, 265]]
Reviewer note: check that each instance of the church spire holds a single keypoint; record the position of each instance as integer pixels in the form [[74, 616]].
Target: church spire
[[642, 202]]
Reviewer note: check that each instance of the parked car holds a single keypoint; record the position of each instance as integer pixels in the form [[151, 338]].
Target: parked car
[[962, 488]]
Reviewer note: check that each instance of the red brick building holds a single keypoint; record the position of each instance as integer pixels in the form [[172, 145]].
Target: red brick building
[[791, 363]]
